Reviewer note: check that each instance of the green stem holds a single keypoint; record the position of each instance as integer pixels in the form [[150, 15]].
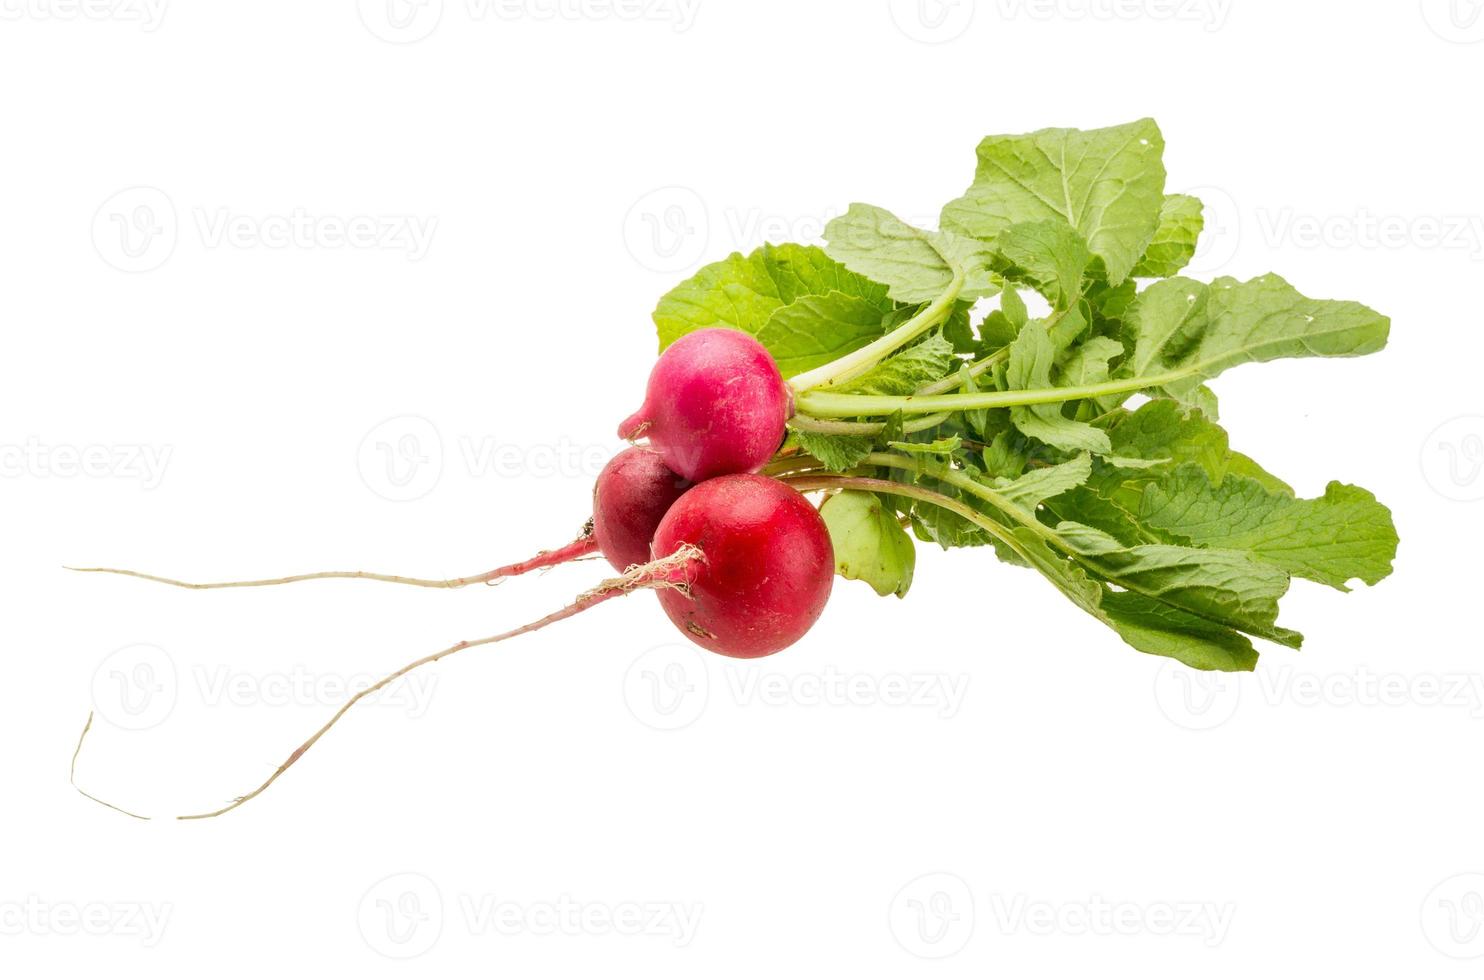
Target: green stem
[[825, 404], [835, 481], [834, 427], [961, 480], [858, 362], [987, 363], [966, 483], [955, 381]]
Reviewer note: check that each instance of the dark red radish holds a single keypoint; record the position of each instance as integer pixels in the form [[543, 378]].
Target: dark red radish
[[715, 404], [630, 498], [766, 570]]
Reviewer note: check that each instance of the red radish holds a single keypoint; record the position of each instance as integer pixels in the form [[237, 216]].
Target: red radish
[[767, 570], [743, 566], [632, 494], [715, 404]]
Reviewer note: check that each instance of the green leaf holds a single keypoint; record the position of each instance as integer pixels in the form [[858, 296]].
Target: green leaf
[[945, 528], [1226, 587], [1145, 624], [814, 330], [743, 292], [1013, 309], [1034, 486], [946, 446], [915, 265], [1088, 363], [1032, 357], [1345, 534], [958, 330], [839, 453], [1161, 629], [1163, 430], [1203, 398], [1065, 327], [1183, 325], [1148, 444], [1109, 303], [906, 371], [1173, 245], [1106, 183], [870, 545], [997, 330], [1005, 456], [1048, 255]]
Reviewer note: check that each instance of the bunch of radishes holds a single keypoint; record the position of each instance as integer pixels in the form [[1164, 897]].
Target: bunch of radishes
[[742, 563], [917, 407]]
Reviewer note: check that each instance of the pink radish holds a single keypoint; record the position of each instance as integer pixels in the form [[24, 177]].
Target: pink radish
[[715, 404], [743, 565]]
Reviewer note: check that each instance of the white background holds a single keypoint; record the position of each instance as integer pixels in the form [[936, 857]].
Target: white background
[[571, 164]]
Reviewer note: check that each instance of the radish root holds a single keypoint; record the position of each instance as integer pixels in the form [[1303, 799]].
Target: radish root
[[670, 572], [72, 775], [583, 546]]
